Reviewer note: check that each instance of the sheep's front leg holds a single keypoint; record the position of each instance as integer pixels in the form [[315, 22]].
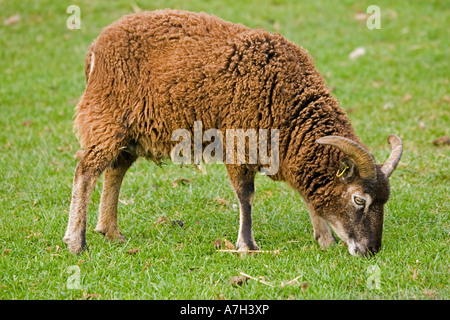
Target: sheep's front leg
[[242, 180], [322, 231], [112, 181]]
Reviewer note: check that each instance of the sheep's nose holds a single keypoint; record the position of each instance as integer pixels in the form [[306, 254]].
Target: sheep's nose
[[373, 247]]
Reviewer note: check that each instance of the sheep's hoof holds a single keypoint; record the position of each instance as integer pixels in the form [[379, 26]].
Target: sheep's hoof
[[325, 240], [113, 235], [76, 246], [241, 246], [116, 237]]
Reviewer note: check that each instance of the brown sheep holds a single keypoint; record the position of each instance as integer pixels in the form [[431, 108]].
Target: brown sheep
[[152, 73]]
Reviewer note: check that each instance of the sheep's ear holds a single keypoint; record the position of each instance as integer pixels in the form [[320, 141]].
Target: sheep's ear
[[347, 171]]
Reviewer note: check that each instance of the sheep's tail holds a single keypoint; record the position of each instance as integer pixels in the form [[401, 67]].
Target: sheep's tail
[[90, 62], [79, 124]]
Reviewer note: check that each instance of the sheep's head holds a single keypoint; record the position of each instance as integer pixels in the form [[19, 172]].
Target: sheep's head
[[361, 191]]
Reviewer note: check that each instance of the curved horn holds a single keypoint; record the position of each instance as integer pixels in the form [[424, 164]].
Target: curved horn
[[363, 159], [396, 153]]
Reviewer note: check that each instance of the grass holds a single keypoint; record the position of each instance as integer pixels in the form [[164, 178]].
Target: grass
[[399, 86]]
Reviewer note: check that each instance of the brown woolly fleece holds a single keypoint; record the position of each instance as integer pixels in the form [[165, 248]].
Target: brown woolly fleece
[[151, 73]]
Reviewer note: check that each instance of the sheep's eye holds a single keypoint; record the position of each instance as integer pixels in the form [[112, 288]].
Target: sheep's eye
[[359, 201]]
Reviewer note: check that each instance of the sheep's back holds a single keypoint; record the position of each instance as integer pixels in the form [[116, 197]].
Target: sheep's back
[[155, 72]]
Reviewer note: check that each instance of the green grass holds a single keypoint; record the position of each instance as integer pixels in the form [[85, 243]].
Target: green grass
[[42, 76]]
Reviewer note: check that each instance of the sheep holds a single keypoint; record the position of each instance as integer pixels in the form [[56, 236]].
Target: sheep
[[151, 73]]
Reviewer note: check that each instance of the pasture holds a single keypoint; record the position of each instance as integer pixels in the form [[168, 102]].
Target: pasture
[[399, 85]]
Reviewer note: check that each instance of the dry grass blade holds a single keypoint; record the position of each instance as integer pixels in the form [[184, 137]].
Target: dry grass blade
[[283, 284], [249, 251], [238, 280], [256, 279], [294, 281], [304, 286], [12, 20], [442, 141], [228, 245], [162, 220], [222, 201]]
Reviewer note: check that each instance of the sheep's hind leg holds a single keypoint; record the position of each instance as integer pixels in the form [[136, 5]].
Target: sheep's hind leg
[[112, 181], [242, 180], [93, 162]]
